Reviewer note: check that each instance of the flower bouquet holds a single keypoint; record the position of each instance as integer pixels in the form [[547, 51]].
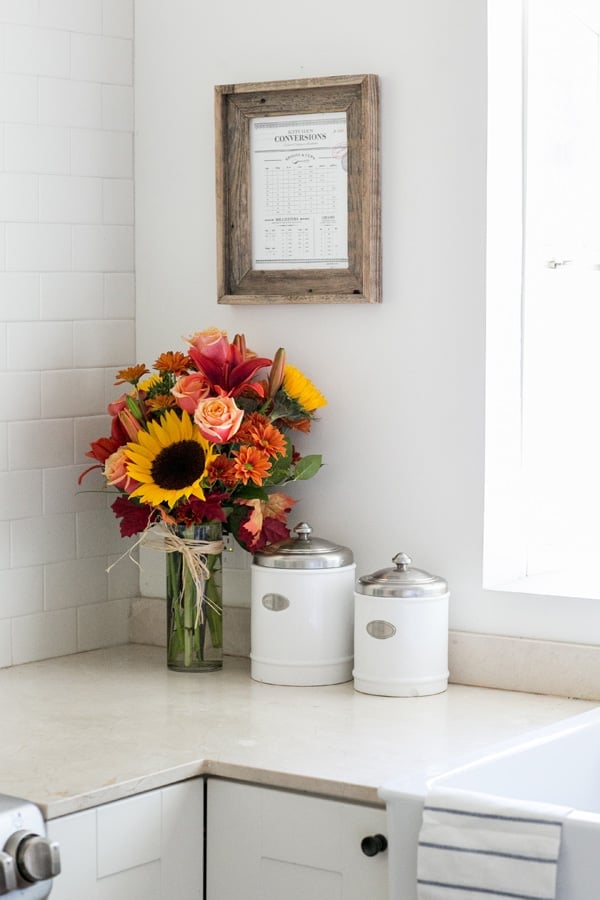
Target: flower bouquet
[[198, 447]]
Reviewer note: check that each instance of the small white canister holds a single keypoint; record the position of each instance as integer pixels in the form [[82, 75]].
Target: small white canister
[[401, 632], [302, 613]]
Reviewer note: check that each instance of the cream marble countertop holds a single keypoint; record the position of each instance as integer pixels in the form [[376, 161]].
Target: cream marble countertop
[[98, 726]]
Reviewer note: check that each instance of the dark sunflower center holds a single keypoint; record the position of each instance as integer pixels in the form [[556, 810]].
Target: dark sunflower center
[[178, 466]]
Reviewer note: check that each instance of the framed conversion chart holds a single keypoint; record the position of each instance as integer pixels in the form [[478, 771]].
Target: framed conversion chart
[[298, 208]]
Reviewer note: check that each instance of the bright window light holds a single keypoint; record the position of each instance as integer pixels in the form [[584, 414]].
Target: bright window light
[[542, 530]]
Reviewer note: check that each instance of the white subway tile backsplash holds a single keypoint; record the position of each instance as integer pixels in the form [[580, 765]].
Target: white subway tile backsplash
[[62, 493], [117, 107], [76, 103], [67, 308], [18, 98], [118, 201], [21, 592], [98, 534], [75, 582], [4, 545], [25, 12], [18, 197], [123, 578], [117, 18], [42, 539], [72, 295], [103, 625], [21, 396], [44, 635], [72, 15], [19, 296], [88, 429], [107, 154], [45, 442], [36, 148], [79, 392], [36, 51], [34, 247], [119, 295], [65, 198], [3, 446], [103, 248], [5, 644], [20, 494], [106, 60], [47, 345], [104, 343]]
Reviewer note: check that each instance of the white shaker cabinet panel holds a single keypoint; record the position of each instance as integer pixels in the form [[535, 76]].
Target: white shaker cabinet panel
[[148, 847], [268, 844]]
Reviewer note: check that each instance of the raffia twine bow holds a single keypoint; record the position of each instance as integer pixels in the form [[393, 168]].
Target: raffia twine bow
[[194, 552]]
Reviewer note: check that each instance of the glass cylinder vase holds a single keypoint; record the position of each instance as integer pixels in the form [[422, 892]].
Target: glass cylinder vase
[[195, 601]]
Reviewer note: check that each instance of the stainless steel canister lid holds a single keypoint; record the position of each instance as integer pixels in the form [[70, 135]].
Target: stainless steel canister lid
[[401, 581], [304, 552]]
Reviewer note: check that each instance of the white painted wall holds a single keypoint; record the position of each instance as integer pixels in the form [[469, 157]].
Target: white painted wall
[[403, 434], [66, 316]]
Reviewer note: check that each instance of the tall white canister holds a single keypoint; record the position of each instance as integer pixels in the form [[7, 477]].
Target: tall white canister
[[301, 629], [401, 632]]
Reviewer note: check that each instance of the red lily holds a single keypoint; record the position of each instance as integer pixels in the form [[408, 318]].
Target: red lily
[[233, 374]]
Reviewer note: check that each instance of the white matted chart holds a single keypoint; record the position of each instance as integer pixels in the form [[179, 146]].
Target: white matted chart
[[299, 191]]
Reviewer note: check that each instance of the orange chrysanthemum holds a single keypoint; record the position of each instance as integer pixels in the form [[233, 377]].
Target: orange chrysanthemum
[[131, 375], [222, 469], [251, 464], [269, 439], [252, 421], [161, 401], [297, 424], [173, 361]]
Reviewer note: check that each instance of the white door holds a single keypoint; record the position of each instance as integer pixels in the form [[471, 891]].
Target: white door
[[267, 844]]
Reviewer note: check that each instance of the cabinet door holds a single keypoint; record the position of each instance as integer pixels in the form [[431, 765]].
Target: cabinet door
[[266, 844], [147, 847]]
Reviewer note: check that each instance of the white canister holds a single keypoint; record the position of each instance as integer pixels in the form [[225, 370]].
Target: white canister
[[302, 611], [401, 632]]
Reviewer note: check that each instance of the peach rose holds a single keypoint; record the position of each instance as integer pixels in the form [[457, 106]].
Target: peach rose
[[212, 343], [218, 419], [189, 390], [115, 471]]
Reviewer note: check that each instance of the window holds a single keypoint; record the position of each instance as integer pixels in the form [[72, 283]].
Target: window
[[542, 528]]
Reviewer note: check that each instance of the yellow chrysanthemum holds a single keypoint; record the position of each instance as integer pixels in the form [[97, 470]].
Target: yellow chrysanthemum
[[169, 460], [147, 383], [300, 388]]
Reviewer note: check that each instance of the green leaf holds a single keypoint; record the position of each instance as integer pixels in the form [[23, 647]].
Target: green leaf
[[308, 466], [280, 467], [250, 492]]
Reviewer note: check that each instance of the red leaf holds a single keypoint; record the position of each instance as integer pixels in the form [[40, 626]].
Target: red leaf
[[134, 516]]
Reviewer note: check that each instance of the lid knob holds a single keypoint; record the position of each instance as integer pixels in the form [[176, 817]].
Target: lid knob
[[303, 530], [402, 561]]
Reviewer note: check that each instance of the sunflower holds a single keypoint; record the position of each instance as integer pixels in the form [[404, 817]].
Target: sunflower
[[299, 388], [169, 460]]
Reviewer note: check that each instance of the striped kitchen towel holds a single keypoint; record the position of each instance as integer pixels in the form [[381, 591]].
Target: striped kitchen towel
[[476, 846]]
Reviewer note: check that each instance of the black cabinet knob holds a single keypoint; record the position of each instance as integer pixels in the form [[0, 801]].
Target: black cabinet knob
[[373, 844]]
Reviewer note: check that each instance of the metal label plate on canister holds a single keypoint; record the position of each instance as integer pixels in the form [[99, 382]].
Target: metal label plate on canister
[[380, 629], [275, 602]]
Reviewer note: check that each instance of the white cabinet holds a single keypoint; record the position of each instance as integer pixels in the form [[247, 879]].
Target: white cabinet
[[147, 847], [268, 844]]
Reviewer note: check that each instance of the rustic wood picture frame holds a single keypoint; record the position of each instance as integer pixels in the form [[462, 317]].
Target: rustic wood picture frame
[[235, 105]]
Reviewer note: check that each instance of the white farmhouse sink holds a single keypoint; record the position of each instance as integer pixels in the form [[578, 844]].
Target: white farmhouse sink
[[557, 764]]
